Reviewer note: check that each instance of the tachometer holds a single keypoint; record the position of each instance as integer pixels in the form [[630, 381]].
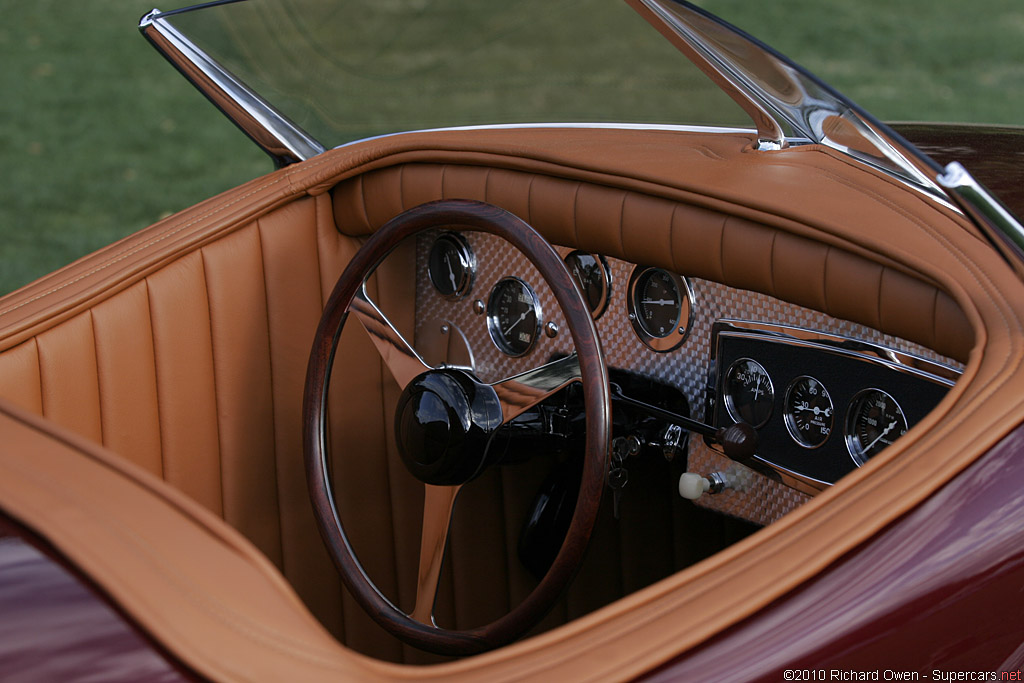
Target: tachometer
[[749, 394], [451, 265], [873, 421], [513, 316], [809, 412]]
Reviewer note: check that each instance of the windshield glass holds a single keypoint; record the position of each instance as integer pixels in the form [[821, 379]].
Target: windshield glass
[[344, 71]]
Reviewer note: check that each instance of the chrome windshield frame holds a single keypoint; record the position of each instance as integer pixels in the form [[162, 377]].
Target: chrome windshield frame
[[272, 131]]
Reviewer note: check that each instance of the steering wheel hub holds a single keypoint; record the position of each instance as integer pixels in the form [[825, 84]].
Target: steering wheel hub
[[444, 422]]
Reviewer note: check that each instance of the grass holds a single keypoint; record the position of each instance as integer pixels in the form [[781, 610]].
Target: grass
[[100, 137]]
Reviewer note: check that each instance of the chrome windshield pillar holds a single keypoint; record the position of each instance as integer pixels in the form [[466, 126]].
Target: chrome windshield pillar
[[279, 137]]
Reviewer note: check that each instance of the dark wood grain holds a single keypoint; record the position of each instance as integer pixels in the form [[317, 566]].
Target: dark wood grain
[[459, 215]]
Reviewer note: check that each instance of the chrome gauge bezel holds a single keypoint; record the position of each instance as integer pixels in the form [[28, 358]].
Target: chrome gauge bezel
[[684, 318], [853, 412], [597, 310], [730, 399], [494, 324], [459, 246], [790, 417]]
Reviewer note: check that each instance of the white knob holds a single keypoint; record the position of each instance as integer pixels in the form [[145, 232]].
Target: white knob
[[692, 486]]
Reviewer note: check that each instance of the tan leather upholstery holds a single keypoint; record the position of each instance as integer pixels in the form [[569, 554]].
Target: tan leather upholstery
[[217, 372]]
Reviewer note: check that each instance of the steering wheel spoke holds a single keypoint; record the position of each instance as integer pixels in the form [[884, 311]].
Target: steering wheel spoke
[[438, 502], [398, 354], [521, 392]]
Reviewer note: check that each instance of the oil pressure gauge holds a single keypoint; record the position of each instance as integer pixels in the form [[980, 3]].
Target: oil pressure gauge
[[809, 412]]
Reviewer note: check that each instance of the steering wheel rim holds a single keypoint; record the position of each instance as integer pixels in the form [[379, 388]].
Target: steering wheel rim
[[456, 214]]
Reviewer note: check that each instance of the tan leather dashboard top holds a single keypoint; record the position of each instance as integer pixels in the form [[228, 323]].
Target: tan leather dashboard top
[[191, 580]]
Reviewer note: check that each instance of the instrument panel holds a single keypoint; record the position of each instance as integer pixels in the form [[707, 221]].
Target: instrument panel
[[839, 401], [659, 324]]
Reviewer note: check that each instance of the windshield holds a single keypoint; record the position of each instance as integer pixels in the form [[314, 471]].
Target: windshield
[[349, 70]]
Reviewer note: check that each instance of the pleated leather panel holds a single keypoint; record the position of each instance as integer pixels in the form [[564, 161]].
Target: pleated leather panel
[[195, 373], [126, 361], [21, 382], [185, 386], [240, 344]]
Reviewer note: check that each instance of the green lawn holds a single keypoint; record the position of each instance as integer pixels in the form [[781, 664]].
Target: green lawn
[[100, 137]]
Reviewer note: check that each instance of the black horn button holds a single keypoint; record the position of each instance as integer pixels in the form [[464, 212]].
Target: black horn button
[[444, 421]]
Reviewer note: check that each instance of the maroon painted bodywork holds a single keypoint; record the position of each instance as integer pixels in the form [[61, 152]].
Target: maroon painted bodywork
[[993, 154], [56, 628], [942, 589]]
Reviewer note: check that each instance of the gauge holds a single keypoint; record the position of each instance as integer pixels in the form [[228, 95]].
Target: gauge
[[873, 421], [593, 277], [513, 316], [451, 265], [809, 412], [749, 395], [660, 307]]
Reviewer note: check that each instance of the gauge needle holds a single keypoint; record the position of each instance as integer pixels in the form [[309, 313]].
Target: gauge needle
[[511, 327], [451, 272], [880, 436], [659, 302], [827, 412]]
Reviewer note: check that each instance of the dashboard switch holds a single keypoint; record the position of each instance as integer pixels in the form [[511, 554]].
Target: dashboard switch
[[692, 485]]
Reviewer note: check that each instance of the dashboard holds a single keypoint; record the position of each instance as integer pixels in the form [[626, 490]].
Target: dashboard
[[823, 394]]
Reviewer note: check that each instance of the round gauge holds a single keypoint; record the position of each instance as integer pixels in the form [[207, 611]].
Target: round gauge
[[809, 412], [513, 316], [660, 307], [451, 265], [593, 277], [873, 421], [749, 394]]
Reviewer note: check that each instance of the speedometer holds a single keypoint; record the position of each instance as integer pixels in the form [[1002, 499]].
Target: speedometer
[[513, 316]]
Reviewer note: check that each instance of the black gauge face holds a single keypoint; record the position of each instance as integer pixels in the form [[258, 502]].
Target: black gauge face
[[749, 395], [513, 316], [593, 277], [658, 303], [809, 413], [873, 421], [660, 307], [451, 265]]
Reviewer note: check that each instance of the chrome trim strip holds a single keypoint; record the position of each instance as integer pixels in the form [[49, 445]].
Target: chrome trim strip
[[940, 373], [996, 222], [670, 128], [800, 482], [279, 137]]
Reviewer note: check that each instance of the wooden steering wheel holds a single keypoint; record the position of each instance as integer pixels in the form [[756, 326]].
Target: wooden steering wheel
[[443, 422]]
